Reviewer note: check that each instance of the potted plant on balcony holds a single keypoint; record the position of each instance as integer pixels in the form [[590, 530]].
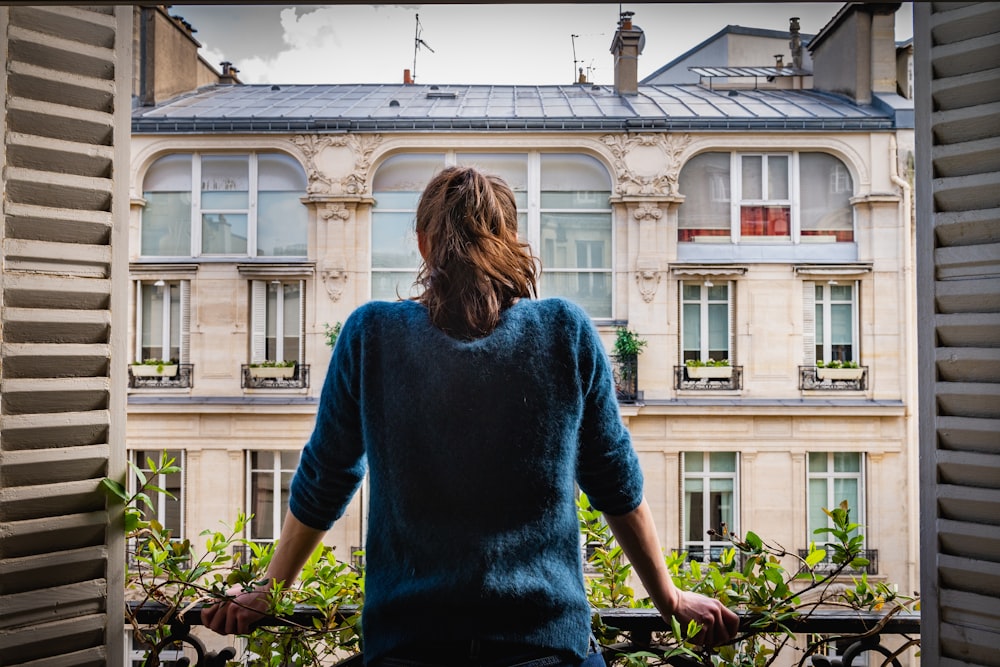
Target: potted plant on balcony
[[273, 369], [628, 346], [838, 370], [154, 368], [708, 369]]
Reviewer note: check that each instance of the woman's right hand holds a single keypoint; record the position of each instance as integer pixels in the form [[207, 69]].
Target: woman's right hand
[[239, 614]]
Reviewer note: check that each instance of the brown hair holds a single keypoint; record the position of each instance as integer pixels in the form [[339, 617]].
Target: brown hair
[[475, 265]]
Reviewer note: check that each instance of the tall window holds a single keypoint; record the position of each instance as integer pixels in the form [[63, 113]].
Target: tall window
[[277, 326], [162, 324], [834, 477], [563, 212], [244, 205], [835, 322], [797, 197], [168, 511], [706, 321], [710, 484], [270, 476]]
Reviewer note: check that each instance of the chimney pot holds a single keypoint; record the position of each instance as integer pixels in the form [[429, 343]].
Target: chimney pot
[[779, 60], [407, 77]]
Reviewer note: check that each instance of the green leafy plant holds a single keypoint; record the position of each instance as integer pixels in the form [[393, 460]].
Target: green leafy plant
[[837, 364], [698, 363], [159, 363], [627, 342], [273, 364], [331, 332]]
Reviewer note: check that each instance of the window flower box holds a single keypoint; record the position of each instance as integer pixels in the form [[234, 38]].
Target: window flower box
[[839, 373], [272, 371], [146, 370], [709, 372]]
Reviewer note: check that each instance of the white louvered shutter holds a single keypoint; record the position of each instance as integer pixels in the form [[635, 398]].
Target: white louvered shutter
[[185, 308], [302, 322], [808, 323], [258, 320], [65, 91], [138, 320], [732, 322], [957, 49]]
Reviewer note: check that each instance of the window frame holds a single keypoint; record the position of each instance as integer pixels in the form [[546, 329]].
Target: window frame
[[258, 320], [812, 333], [278, 509], [858, 513], [530, 215], [251, 210], [704, 353], [184, 312], [705, 476], [159, 499]]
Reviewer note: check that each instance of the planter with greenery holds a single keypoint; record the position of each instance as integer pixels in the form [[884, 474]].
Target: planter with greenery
[[331, 333], [839, 370], [273, 369], [709, 369], [625, 361], [154, 368]]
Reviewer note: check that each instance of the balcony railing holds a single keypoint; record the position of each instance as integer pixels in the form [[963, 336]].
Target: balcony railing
[[833, 379], [708, 378], [826, 566], [625, 369], [295, 377], [864, 631], [170, 376]]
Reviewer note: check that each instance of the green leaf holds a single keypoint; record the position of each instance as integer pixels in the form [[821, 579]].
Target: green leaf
[[115, 489], [754, 540], [815, 557]]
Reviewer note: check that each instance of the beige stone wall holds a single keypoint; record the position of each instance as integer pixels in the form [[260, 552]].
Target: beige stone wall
[[770, 421]]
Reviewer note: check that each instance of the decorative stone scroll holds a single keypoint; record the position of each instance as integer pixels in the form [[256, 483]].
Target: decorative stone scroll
[[337, 164], [646, 164]]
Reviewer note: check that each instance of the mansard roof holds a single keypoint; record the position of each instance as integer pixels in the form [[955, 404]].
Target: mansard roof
[[580, 107]]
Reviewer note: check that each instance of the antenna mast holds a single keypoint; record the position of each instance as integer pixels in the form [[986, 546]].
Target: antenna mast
[[417, 43]]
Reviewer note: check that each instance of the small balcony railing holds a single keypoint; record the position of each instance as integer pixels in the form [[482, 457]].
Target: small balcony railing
[[165, 376], [291, 377], [861, 631], [625, 369], [833, 379], [826, 566], [708, 378]]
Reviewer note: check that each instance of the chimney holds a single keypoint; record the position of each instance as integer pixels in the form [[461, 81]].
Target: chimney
[[407, 78], [228, 73], [626, 46], [779, 60], [796, 42]]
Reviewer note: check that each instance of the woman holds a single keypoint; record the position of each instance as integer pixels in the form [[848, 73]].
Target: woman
[[478, 411]]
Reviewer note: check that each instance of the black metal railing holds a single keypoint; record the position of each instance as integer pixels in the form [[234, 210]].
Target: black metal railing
[[826, 566], [168, 376], [833, 379], [290, 377], [859, 632], [625, 369], [712, 554], [710, 378]]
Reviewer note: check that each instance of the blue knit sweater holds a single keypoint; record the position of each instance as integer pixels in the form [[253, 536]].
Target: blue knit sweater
[[475, 449]]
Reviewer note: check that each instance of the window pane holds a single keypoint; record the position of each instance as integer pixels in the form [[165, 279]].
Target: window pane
[[777, 177], [694, 500], [694, 462], [847, 489], [574, 173], [841, 292], [393, 285], [262, 505], [152, 322], [173, 292], [825, 190], [229, 174], [397, 200], [578, 199], [847, 462], [166, 224], [277, 172], [692, 329], [579, 240], [171, 173], [512, 168], [394, 241], [718, 327], [752, 174], [282, 225], [271, 322], [289, 460], [817, 501], [841, 327], [722, 461], [817, 461], [224, 234], [765, 221], [592, 291], [406, 173], [292, 322], [704, 182]]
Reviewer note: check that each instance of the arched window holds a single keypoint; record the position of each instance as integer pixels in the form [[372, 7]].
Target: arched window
[[244, 205]]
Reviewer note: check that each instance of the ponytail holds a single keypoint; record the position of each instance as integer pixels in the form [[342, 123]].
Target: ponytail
[[474, 266]]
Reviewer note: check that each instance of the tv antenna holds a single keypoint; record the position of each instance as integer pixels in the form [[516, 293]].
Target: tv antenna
[[417, 43]]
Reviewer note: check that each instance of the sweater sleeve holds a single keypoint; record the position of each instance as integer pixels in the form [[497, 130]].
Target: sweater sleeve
[[608, 469], [333, 461]]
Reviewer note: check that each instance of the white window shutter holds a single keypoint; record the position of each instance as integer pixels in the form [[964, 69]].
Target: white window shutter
[[64, 284], [808, 323], [185, 308], [731, 293], [957, 236], [302, 321], [258, 320], [138, 320]]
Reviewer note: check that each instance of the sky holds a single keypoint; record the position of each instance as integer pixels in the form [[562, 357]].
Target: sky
[[531, 44]]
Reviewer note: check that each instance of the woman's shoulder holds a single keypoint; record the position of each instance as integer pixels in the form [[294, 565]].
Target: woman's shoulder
[[558, 307]]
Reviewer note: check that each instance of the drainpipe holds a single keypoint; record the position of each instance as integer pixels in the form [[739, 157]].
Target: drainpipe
[[909, 290]]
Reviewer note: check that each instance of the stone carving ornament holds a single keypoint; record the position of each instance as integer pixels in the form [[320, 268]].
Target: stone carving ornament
[[355, 182], [646, 164]]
